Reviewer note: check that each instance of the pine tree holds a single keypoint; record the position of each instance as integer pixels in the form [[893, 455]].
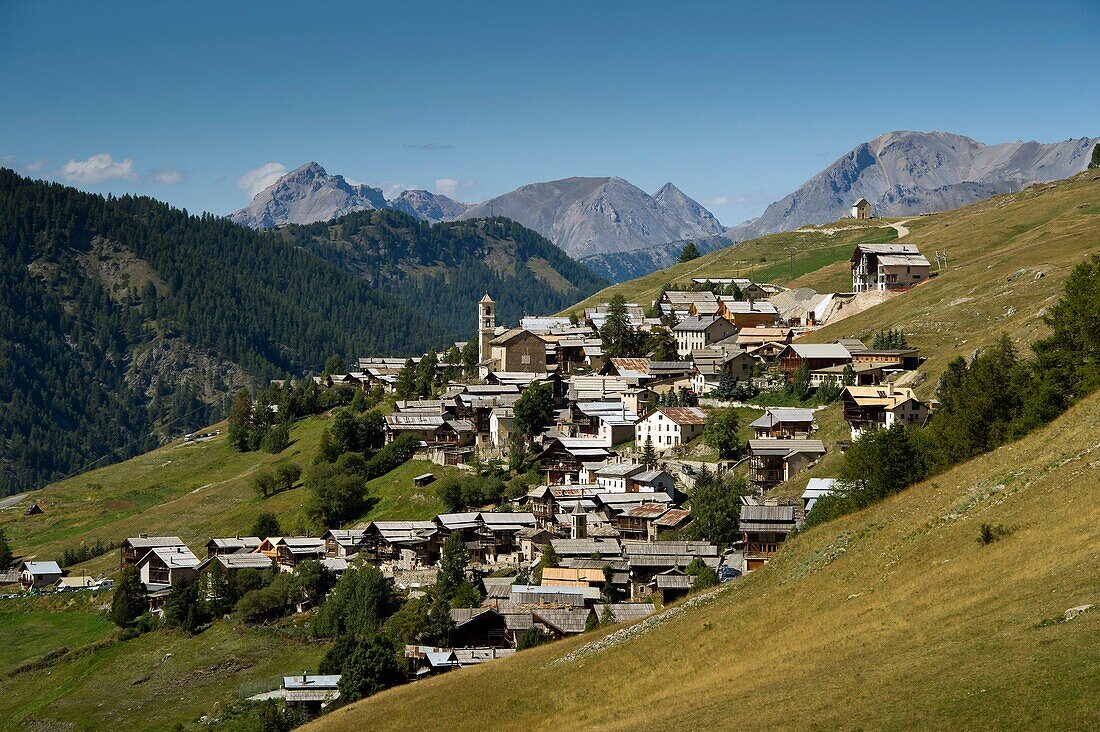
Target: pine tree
[[129, 599], [616, 332], [425, 374], [406, 381], [5, 551], [1095, 161], [727, 386], [689, 252], [452, 568], [240, 422], [649, 454]]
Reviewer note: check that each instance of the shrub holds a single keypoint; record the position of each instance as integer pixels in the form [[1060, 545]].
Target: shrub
[[287, 475], [392, 456], [263, 483], [265, 525], [531, 637], [988, 533]]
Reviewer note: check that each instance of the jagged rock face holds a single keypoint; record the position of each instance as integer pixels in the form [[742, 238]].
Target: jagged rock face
[[905, 173], [698, 221], [427, 206], [586, 216], [305, 195]]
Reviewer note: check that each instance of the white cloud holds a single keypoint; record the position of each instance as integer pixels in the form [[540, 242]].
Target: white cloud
[[166, 176], [717, 201], [454, 188], [36, 166], [260, 178], [392, 190], [97, 169]]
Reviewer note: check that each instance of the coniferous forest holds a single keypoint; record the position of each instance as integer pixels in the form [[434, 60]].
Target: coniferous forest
[[442, 269], [125, 320]]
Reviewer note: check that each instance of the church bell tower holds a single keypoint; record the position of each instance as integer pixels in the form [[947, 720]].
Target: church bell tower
[[486, 327]]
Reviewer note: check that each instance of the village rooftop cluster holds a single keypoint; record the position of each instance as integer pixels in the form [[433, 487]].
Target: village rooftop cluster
[[615, 479]]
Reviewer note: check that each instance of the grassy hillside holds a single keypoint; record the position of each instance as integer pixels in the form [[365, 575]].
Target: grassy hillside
[[767, 259], [195, 491], [1009, 258], [892, 618], [57, 652], [154, 681]]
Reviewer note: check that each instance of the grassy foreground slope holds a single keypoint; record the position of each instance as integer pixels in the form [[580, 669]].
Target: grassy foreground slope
[[892, 618]]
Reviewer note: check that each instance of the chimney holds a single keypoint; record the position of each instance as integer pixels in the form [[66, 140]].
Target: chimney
[[890, 388], [143, 536]]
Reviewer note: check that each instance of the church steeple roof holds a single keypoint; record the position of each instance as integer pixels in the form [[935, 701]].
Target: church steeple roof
[[485, 299]]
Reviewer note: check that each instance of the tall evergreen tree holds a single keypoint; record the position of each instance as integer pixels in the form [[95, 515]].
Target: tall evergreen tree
[[129, 599], [406, 381], [688, 253]]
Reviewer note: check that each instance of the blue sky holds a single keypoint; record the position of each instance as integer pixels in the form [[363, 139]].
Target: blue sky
[[736, 103]]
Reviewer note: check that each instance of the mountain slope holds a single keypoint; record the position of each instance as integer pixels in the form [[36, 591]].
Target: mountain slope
[[427, 206], [126, 320], [697, 220], [305, 195], [586, 216], [443, 269], [905, 173], [1009, 256], [892, 618]]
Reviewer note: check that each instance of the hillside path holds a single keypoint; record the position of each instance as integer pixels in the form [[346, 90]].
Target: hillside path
[[899, 227], [11, 500]]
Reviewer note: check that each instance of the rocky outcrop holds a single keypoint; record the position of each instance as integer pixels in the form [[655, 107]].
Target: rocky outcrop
[[306, 195]]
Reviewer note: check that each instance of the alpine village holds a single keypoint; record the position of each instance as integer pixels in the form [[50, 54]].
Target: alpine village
[[360, 458]]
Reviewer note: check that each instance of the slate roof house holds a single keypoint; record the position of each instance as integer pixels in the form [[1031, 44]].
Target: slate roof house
[[773, 461], [39, 574], [136, 547], [668, 427], [695, 332], [763, 529], [163, 565], [815, 355], [232, 545], [887, 267], [711, 363], [880, 407], [815, 489], [750, 313], [784, 422], [411, 542], [343, 542]]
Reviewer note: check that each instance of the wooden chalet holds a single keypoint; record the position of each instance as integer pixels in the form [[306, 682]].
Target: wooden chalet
[[773, 461]]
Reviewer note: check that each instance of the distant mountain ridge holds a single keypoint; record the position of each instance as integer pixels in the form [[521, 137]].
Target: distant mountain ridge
[[428, 206], [585, 217], [906, 173], [588, 216], [309, 194]]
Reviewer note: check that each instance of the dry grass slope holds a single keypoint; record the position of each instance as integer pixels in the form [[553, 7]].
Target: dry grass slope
[[892, 618]]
